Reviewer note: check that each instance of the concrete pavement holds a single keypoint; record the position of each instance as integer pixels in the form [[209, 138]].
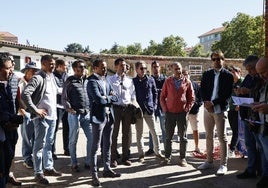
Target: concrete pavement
[[150, 174]]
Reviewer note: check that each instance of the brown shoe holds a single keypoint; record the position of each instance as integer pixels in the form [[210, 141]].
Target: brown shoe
[[114, 164], [141, 158], [14, 181], [52, 172], [126, 163]]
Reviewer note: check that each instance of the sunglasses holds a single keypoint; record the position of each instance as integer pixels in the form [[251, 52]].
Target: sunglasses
[[143, 68], [216, 59], [82, 67]]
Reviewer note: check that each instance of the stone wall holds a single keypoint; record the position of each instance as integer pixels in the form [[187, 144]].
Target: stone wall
[[164, 61]]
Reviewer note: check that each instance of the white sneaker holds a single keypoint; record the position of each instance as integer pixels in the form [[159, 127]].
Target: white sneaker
[[231, 154], [205, 165], [222, 170]]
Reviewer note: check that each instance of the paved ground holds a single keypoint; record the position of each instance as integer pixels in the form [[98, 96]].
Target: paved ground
[[147, 175]]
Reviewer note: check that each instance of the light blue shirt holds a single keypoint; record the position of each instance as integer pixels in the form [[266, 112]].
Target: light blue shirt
[[124, 88]]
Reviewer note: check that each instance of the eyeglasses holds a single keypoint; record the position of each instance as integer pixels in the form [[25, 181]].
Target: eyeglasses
[[143, 68], [216, 59]]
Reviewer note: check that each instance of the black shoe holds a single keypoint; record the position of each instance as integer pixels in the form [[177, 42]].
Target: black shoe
[[66, 153], [87, 166], [111, 174], [54, 156], [75, 168], [246, 175], [263, 182], [51, 172], [95, 181], [149, 152], [40, 178], [14, 181]]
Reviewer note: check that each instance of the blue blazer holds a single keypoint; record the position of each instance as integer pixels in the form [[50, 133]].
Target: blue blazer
[[99, 101]]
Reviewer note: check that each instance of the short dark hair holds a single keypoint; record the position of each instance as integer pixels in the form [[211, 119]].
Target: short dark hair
[[218, 53], [153, 63], [59, 62], [138, 63], [251, 59], [4, 56], [75, 63], [118, 60], [97, 62], [46, 58]]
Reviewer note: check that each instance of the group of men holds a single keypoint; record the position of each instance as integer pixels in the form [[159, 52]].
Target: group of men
[[99, 104]]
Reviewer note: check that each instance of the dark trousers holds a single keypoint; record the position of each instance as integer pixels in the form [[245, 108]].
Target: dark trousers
[[121, 114], [101, 133], [62, 116], [8, 152], [233, 121], [173, 119], [65, 131], [3, 173]]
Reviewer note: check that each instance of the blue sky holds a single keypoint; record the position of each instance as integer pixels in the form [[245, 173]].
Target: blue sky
[[54, 24]]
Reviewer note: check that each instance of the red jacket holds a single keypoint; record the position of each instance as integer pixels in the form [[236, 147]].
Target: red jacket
[[177, 101]]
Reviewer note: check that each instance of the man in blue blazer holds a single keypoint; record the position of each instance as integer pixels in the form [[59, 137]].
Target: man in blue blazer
[[101, 96]]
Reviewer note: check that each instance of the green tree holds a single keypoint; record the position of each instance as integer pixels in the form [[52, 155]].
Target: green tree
[[151, 49], [172, 46], [242, 36], [87, 50], [74, 48], [197, 51], [117, 49], [134, 49]]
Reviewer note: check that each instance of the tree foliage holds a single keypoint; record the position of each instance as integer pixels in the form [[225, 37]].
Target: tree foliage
[[134, 49], [242, 36], [77, 48], [197, 51], [172, 46]]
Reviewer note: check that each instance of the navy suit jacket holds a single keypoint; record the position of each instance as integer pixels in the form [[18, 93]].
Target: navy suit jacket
[[99, 101]]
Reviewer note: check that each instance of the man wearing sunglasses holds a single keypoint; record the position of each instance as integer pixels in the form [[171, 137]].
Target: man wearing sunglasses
[[216, 89], [75, 101], [146, 96]]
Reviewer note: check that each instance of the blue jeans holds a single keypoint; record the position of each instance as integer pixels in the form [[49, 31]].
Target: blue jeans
[[163, 130], [42, 149], [27, 134], [76, 120], [262, 142], [250, 142]]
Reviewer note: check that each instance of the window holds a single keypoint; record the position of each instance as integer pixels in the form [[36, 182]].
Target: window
[[195, 69]]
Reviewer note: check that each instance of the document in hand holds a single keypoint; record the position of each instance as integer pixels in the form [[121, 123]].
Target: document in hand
[[243, 101]]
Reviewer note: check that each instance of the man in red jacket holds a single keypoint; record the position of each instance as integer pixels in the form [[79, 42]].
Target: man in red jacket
[[176, 99]]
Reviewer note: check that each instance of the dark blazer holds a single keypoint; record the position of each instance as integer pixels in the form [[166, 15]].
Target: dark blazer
[[198, 99], [99, 101], [225, 87]]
